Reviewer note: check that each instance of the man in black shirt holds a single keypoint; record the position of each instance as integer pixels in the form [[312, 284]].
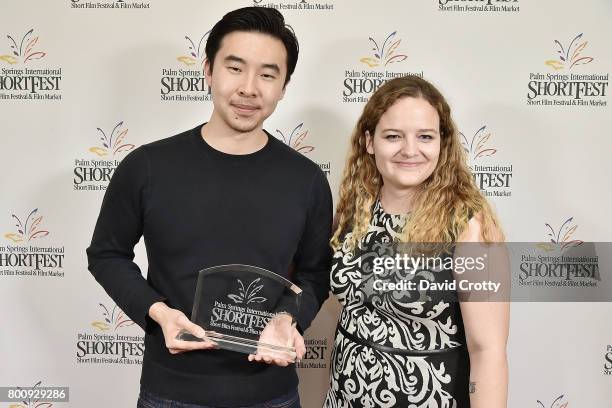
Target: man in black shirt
[[222, 193]]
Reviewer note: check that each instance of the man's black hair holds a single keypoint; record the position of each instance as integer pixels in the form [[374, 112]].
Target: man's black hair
[[254, 19]]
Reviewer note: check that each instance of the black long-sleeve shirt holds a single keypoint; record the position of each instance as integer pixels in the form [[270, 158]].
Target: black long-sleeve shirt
[[198, 207]]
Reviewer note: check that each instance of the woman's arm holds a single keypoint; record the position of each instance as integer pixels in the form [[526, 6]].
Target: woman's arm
[[486, 322]]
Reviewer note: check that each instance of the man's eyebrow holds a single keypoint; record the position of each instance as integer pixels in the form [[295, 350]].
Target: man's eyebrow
[[273, 67], [234, 59]]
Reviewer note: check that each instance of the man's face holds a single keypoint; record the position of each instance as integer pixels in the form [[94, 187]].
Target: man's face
[[248, 79]]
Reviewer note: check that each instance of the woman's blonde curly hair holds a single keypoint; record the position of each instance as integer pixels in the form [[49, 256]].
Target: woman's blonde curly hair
[[442, 204]]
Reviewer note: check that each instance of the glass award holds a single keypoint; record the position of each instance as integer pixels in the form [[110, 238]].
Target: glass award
[[246, 309]]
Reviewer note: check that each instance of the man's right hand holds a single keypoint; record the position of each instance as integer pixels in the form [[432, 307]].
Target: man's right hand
[[172, 321]]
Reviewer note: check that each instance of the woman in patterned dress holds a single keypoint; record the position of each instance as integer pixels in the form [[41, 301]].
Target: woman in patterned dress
[[406, 180]]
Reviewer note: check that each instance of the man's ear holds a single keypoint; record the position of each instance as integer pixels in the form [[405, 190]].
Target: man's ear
[[369, 142], [207, 72], [284, 90]]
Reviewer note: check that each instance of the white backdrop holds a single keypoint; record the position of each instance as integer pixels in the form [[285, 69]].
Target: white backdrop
[[97, 69]]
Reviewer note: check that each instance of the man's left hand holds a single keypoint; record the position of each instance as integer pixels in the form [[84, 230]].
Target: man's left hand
[[280, 331]]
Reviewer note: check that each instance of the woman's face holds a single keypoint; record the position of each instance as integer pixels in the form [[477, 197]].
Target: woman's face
[[406, 143]]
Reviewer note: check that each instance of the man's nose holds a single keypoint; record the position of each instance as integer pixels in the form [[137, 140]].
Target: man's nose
[[248, 86]]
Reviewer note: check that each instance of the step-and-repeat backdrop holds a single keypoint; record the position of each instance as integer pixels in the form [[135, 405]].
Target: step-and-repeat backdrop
[[84, 82]]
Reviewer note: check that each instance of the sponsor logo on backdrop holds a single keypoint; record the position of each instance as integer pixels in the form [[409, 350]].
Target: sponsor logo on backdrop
[[112, 319], [25, 252], [93, 172], [24, 72], [571, 78], [561, 239], [384, 61], [112, 339], [559, 402], [185, 81], [298, 5], [110, 4], [316, 354], [562, 260], [493, 178], [297, 140], [607, 368], [479, 6]]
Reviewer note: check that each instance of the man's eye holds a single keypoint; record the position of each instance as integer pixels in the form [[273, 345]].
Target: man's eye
[[268, 76], [234, 69]]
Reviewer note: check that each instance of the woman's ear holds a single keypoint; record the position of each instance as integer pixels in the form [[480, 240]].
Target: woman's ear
[[369, 142]]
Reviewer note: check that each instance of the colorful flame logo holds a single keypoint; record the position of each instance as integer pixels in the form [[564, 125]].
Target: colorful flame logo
[[562, 237], [295, 139], [113, 144], [24, 52], [247, 295], [556, 403], [29, 230], [196, 55], [114, 319], [384, 55], [30, 402], [476, 148], [570, 55]]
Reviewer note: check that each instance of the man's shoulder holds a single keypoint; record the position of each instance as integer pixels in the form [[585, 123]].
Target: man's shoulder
[[292, 158], [178, 141]]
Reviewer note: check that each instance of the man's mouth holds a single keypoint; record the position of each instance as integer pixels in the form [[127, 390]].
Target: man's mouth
[[244, 108]]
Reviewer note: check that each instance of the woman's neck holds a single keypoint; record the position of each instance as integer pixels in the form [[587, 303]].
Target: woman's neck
[[396, 201]]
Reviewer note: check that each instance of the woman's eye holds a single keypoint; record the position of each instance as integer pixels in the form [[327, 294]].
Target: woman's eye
[[426, 137], [392, 137]]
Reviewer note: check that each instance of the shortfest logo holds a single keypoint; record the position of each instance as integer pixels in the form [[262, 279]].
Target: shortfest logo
[[559, 402], [607, 368], [560, 261], [493, 178], [297, 5], [22, 77], [110, 4], [113, 340], [570, 80], [94, 172], [479, 6], [316, 355], [25, 254], [248, 294], [186, 82], [561, 239], [297, 140], [241, 318], [375, 69]]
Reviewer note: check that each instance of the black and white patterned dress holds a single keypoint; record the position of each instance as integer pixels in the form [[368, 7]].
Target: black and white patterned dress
[[394, 349]]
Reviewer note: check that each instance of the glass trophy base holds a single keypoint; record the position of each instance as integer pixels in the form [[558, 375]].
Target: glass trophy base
[[246, 309], [242, 345]]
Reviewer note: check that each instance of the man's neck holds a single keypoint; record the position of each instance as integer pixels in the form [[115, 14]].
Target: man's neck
[[227, 140]]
